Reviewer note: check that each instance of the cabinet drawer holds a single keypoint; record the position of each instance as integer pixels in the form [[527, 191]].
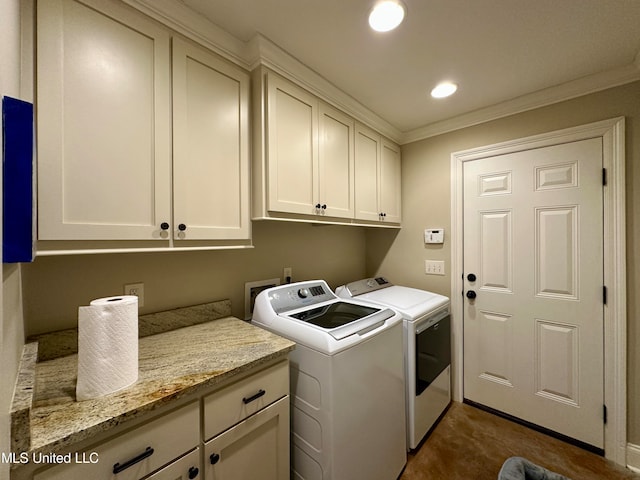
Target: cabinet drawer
[[153, 445], [232, 404], [187, 467]]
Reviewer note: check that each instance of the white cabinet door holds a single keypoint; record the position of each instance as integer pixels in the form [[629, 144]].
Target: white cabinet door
[[389, 189], [367, 160], [211, 146], [104, 133], [292, 148], [336, 163], [377, 166], [257, 447]]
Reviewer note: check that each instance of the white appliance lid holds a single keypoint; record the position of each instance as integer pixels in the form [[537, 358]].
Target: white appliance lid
[[409, 301]]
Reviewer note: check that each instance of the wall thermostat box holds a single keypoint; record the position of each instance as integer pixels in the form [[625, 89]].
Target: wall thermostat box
[[434, 235]]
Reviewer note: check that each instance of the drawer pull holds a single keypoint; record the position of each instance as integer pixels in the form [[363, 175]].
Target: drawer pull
[[214, 458], [254, 397], [193, 472], [117, 468]]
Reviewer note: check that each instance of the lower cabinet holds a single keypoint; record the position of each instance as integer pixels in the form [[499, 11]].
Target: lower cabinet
[[257, 447], [245, 432], [136, 453]]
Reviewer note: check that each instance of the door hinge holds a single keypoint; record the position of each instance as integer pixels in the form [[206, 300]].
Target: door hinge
[[604, 413], [604, 176], [604, 294]]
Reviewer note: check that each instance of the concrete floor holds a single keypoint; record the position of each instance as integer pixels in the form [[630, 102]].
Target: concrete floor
[[471, 444]]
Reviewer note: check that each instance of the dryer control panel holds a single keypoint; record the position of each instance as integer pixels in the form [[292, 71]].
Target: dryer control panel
[[367, 285]]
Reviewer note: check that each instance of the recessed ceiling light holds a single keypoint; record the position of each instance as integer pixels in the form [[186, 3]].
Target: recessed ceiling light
[[386, 15], [444, 89]]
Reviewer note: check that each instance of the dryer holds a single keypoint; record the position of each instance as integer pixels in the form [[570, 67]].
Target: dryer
[[426, 345]]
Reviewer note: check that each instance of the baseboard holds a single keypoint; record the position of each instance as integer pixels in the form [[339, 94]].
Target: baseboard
[[633, 457]]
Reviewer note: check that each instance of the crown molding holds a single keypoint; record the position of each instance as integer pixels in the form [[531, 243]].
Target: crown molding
[[548, 96], [194, 26], [256, 52], [266, 53], [260, 51]]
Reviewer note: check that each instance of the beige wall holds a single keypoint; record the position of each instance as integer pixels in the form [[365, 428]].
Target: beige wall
[[11, 327], [426, 203], [54, 287]]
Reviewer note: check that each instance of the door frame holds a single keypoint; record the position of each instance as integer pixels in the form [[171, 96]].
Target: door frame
[[612, 132]]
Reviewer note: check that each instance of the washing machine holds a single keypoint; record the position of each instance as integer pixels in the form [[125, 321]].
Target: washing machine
[[347, 382], [426, 344]]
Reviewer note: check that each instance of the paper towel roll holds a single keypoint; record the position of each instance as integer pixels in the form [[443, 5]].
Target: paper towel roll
[[107, 346]]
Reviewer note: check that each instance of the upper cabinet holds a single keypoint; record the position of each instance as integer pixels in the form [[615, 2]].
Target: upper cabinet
[[115, 94], [306, 165], [310, 152], [210, 146], [292, 171], [336, 169], [378, 190], [104, 126], [144, 141]]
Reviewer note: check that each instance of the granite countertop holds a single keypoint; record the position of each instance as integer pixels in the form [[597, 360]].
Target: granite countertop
[[47, 418]]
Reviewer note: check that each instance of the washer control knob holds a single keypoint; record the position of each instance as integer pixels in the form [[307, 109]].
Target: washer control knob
[[303, 293]]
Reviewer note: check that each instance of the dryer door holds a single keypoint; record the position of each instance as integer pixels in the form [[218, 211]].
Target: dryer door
[[433, 351]]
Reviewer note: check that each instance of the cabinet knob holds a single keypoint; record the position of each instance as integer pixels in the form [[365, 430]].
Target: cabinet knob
[[213, 458], [318, 205], [324, 207], [471, 295], [182, 227], [164, 226], [193, 472], [471, 277]]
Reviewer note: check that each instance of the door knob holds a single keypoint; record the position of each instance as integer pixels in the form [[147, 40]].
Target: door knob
[[471, 277], [471, 294]]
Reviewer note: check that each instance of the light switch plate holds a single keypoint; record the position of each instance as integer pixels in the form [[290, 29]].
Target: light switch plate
[[434, 267]]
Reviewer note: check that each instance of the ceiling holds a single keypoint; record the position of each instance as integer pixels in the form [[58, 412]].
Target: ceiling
[[495, 50]]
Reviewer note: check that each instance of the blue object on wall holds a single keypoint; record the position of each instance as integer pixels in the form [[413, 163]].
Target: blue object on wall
[[18, 228]]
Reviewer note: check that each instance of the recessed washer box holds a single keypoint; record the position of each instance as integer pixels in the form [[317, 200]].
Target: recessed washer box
[[251, 291]]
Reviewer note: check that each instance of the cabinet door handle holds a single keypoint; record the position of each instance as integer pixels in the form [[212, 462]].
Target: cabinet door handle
[[117, 468], [254, 397], [164, 226], [182, 227], [214, 458], [193, 472]]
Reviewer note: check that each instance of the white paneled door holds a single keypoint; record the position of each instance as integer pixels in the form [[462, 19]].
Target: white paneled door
[[533, 334]]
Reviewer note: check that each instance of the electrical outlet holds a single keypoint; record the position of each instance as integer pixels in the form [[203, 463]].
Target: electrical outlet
[[434, 267], [136, 289], [287, 274]]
